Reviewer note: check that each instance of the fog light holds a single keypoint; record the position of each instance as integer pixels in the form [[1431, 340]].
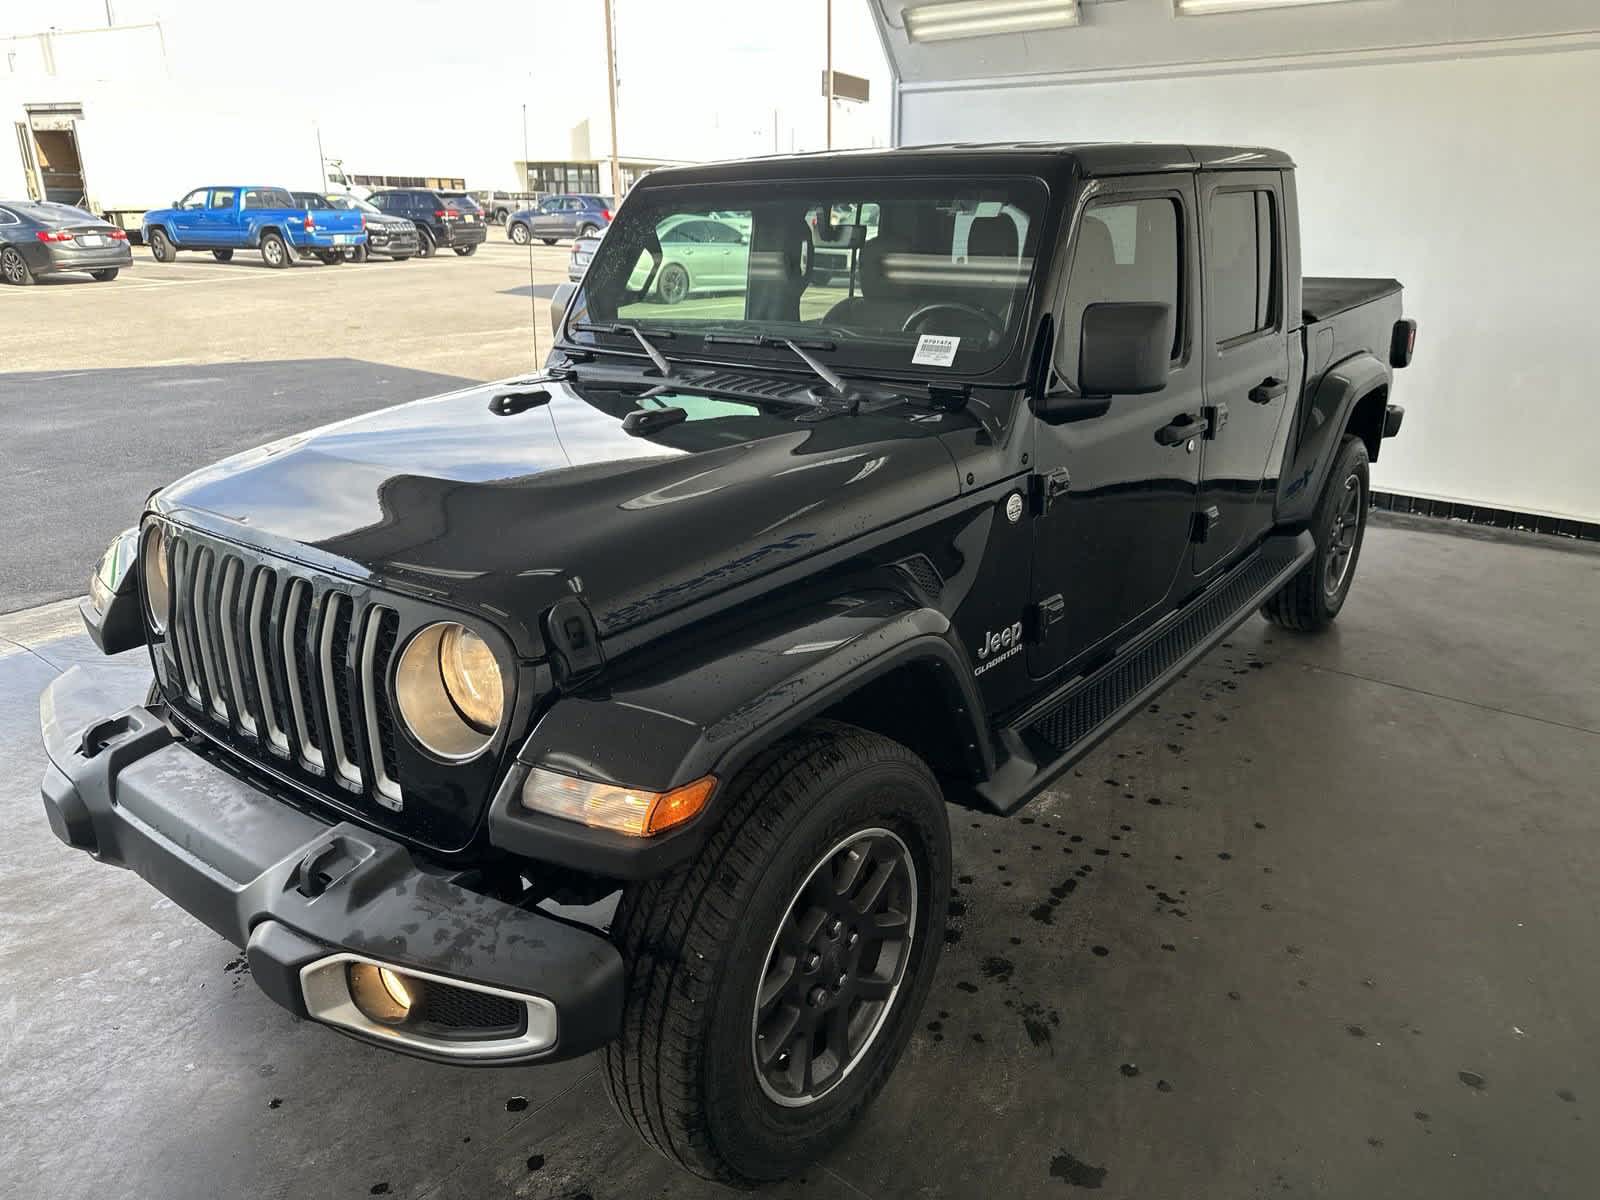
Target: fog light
[[380, 993], [632, 811]]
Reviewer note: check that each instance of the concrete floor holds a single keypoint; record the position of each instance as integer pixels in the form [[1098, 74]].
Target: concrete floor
[[1320, 923]]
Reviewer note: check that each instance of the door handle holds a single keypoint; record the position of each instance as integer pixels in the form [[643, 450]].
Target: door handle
[[1189, 425], [1268, 390]]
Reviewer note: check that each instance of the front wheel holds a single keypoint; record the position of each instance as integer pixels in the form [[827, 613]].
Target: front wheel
[[1312, 599], [773, 981], [222, 255], [161, 247], [105, 276], [274, 250], [518, 233], [466, 251], [587, 231]]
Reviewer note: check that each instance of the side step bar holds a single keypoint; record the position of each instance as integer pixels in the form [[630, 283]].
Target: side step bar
[[1058, 731]]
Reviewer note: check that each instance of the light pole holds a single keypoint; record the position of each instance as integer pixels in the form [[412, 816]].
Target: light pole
[[827, 81], [611, 94]]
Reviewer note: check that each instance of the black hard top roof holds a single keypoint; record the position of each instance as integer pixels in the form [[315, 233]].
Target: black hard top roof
[[1046, 159]]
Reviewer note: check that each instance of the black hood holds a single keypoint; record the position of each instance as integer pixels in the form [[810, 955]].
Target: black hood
[[506, 514]]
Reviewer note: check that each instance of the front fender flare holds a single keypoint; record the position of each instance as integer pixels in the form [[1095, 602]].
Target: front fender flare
[[709, 709]]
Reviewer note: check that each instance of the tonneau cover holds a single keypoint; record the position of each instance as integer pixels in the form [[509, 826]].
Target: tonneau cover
[[1325, 297]]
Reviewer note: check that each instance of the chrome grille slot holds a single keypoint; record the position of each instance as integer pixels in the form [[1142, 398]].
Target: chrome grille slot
[[259, 637], [334, 659], [228, 627], [296, 617], [377, 651], [182, 623]]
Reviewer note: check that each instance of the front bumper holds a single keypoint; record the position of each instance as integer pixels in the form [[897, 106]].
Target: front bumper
[[295, 891], [399, 243]]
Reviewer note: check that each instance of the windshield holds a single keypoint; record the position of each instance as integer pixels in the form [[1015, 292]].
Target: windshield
[[312, 200], [354, 203], [895, 274]]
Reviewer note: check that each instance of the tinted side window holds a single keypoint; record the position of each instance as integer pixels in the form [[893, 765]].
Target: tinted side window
[[1243, 264], [222, 198], [1128, 250]]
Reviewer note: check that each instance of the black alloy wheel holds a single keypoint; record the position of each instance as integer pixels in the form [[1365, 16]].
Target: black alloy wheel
[[834, 967], [14, 268]]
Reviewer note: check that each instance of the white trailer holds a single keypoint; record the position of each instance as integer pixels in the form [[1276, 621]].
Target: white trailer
[[118, 160]]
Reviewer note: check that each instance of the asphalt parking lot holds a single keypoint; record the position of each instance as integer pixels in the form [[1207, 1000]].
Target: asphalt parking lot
[[1306, 927], [112, 389]]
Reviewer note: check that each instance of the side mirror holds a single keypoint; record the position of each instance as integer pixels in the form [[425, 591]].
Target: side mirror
[[558, 305], [1126, 349]]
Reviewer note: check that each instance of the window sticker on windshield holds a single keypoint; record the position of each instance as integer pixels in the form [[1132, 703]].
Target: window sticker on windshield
[[935, 350]]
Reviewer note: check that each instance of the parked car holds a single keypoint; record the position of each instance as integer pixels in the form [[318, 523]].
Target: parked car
[[43, 238], [392, 237], [252, 217], [498, 206], [444, 220], [700, 255], [557, 217], [582, 252], [718, 614]]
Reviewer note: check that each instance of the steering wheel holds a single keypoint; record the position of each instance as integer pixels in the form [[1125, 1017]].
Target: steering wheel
[[996, 328]]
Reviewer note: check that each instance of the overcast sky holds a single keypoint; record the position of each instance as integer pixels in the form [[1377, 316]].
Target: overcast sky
[[697, 78]]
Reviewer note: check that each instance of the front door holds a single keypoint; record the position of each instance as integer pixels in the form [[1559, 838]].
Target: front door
[[1115, 537], [217, 226], [1246, 358], [187, 217]]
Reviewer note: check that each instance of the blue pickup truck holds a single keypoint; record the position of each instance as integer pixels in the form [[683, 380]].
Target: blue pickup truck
[[247, 217]]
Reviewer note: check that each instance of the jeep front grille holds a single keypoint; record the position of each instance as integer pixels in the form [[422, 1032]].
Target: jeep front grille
[[292, 666]]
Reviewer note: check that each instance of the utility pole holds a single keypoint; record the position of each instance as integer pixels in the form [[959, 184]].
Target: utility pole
[[828, 72], [322, 162], [611, 92]]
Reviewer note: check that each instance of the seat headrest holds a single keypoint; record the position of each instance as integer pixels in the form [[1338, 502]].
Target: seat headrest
[[992, 237], [875, 281]]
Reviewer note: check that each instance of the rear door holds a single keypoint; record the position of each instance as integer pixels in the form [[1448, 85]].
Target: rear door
[[1246, 357], [1113, 535]]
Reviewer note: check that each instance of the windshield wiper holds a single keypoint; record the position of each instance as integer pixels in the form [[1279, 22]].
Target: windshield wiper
[[621, 328], [765, 340]]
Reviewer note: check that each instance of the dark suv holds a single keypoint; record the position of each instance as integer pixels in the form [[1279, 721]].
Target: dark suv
[[443, 219], [572, 216]]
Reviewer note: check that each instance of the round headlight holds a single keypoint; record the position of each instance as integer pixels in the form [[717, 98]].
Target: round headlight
[[157, 585], [449, 691]]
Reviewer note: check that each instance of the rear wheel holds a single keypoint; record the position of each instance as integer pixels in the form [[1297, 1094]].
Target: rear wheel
[[14, 268], [222, 255], [161, 247], [587, 230], [465, 251], [105, 276], [1313, 598], [774, 981], [518, 233], [274, 250]]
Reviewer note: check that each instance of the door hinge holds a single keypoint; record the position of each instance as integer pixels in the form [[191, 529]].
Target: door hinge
[[1039, 617], [1216, 416], [1045, 489], [1203, 523]]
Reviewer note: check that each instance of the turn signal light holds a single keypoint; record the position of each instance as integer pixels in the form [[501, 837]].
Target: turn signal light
[[632, 811], [117, 235]]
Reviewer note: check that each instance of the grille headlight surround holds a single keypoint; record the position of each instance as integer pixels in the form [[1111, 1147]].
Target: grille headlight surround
[[157, 583], [449, 691]]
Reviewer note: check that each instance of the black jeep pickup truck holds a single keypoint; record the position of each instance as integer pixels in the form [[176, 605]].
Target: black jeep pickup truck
[[712, 619]]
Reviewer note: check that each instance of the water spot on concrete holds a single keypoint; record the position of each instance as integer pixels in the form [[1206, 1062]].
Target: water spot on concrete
[[1099, 951], [1163, 1086], [266, 1070], [1421, 1116], [1169, 947], [952, 935], [1375, 1142], [1129, 1071], [1473, 1080], [935, 1026], [1077, 1173], [535, 1162], [995, 967], [958, 907], [517, 1104], [1043, 913], [1103, 852], [1113, 783], [965, 879], [1260, 825], [966, 986], [978, 1037], [1225, 856], [1567, 1095], [466, 1139], [1355, 1031], [1016, 941], [1234, 996], [1292, 951], [379, 1189], [275, 1102]]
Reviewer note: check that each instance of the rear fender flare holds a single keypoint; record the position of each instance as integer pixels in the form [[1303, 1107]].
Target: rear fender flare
[[1321, 425]]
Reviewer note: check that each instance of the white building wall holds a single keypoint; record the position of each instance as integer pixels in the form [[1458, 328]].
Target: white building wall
[[1467, 171]]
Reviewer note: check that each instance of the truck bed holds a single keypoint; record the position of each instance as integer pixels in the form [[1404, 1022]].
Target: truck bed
[[1326, 297]]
